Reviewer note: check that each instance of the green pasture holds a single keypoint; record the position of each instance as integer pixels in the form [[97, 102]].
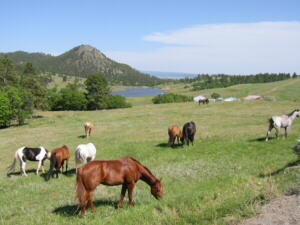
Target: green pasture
[[222, 179], [287, 90]]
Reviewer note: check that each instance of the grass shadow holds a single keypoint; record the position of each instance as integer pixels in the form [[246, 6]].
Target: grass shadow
[[73, 210], [69, 173], [19, 173], [291, 164], [166, 145], [261, 139], [82, 136]]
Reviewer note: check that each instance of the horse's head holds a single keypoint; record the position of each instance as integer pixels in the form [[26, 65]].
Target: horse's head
[[182, 140], [48, 155], [157, 189], [297, 112]]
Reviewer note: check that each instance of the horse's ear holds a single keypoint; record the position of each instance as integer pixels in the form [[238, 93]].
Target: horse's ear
[[160, 180]]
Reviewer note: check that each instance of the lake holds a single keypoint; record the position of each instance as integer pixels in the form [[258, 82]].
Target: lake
[[139, 92]]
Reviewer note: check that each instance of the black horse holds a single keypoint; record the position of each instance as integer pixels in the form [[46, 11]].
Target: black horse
[[189, 130]]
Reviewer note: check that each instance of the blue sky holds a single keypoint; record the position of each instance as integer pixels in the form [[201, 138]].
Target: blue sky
[[176, 36]]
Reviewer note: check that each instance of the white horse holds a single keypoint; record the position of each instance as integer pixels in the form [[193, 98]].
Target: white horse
[[283, 121], [84, 153], [32, 154]]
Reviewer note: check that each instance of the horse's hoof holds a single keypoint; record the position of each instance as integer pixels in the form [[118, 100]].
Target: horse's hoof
[[130, 204]]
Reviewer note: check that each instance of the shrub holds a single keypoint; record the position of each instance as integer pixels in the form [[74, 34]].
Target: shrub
[[20, 103], [215, 95], [170, 97], [67, 99], [117, 101], [5, 110]]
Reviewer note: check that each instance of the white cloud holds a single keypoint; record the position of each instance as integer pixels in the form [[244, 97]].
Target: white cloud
[[236, 48]]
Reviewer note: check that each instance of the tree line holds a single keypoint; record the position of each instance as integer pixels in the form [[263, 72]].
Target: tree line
[[206, 81], [22, 91]]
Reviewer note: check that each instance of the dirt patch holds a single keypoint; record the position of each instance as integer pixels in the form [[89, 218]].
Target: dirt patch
[[282, 211]]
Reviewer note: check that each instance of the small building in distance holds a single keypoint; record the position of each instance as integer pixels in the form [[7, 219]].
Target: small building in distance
[[200, 97], [230, 99], [253, 97]]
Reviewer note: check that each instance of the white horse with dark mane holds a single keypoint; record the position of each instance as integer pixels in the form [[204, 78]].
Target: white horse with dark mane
[[84, 153], [283, 121], [23, 154]]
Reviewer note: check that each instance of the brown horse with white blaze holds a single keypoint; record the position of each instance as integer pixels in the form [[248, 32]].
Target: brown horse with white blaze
[[125, 171], [57, 159], [88, 127]]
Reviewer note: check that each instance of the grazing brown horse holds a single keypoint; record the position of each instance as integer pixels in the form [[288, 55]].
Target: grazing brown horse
[[125, 171], [204, 101], [88, 127], [57, 159], [174, 132]]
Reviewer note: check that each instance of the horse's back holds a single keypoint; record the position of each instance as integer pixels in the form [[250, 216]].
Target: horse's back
[[174, 130], [62, 152], [88, 125], [86, 150], [111, 172]]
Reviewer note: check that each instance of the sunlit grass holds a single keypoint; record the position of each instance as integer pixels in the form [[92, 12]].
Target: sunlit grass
[[221, 179]]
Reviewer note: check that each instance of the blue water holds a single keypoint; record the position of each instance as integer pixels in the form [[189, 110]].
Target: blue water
[[139, 92]]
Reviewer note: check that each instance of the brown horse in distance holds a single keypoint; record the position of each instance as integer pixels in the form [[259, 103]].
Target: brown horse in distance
[[174, 132], [125, 171], [204, 101], [88, 127], [57, 159]]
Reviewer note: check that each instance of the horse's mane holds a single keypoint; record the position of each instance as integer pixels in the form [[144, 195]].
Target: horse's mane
[[140, 164], [290, 114]]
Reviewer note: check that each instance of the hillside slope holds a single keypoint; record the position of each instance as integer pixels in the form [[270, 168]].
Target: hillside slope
[[82, 61], [287, 90]]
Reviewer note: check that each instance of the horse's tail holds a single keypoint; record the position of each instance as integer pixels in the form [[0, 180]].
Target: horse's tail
[[13, 165], [80, 188], [52, 165]]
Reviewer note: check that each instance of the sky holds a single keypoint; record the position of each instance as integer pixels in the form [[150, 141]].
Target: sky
[[191, 36]]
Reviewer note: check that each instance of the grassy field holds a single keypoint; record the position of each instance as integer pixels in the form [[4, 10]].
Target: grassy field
[[287, 90], [222, 179]]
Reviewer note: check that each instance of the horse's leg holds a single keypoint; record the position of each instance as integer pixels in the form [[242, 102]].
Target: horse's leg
[[277, 132], [269, 131], [286, 132], [23, 165], [43, 170], [89, 195], [83, 207], [39, 165], [62, 166], [130, 191], [90, 131], [66, 166], [173, 141], [123, 192]]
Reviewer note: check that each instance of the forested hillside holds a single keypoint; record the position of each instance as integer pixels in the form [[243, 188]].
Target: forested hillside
[[81, 61]]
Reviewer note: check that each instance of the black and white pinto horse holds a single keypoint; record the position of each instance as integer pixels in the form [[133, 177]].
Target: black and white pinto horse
[[188, 130], [283, 121], [32, 154], [84, 153]]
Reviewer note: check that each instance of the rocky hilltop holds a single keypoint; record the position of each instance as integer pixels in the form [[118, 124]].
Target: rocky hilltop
[[82, 61]]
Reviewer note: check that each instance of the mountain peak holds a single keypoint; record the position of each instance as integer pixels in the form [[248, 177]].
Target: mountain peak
[[87, 51], [83, 60]]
